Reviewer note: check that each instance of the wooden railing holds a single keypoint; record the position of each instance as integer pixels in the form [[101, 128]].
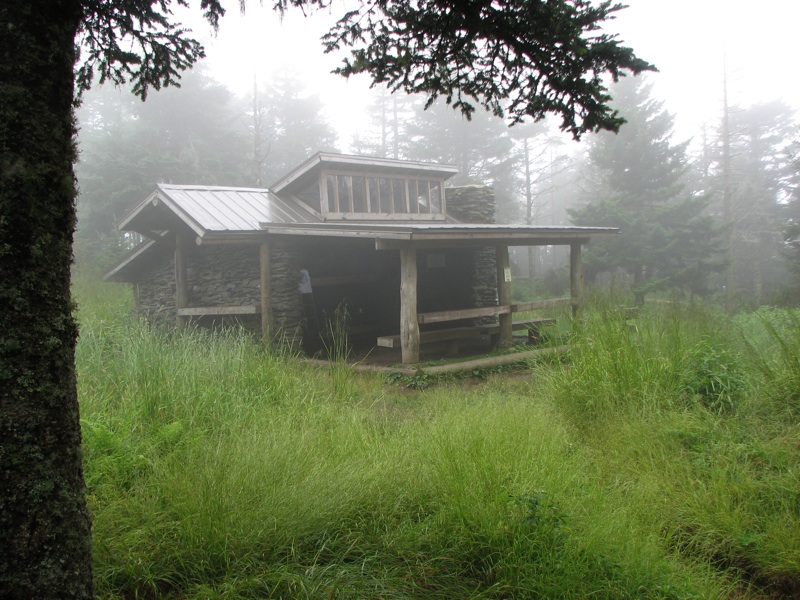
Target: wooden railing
[[219, 311], [492, 311]]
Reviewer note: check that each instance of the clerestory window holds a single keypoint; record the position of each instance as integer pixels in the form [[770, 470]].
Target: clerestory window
[[377, 196]]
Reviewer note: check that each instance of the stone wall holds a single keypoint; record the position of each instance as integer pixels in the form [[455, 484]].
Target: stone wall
[[224, 276], [155, 289], [287, 309], [471, 203], [476, 204]]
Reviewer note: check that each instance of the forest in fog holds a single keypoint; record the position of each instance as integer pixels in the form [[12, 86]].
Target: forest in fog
[[716, 214]]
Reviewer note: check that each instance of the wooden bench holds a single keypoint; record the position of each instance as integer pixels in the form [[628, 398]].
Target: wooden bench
[[459, 333], [533, 327]]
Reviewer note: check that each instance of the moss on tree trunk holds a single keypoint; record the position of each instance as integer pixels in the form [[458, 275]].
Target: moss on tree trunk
[[44, 523]]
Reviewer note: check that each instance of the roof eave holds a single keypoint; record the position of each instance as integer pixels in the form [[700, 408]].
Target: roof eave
[[133, 256], [388, 236], [128, 223]]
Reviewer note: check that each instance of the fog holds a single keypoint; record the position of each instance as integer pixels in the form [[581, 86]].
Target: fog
[[688, 41], [203, 133]]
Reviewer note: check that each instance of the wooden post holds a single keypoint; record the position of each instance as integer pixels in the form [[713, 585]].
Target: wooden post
[[266, 301], [409, 327], [323, 192], [504, 295], [181, 283], [575, 277]]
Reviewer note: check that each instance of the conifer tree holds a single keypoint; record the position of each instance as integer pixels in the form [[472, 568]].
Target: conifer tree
[[480, 147], [758, 172], [791, 230], [383, 132], [187, 135], [292, 126], [638, 184]]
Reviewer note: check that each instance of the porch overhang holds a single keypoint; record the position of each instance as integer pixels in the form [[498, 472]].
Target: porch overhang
[[408, 238], [388, 236]]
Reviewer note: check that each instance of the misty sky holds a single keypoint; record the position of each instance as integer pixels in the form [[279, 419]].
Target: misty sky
[[685, 39]]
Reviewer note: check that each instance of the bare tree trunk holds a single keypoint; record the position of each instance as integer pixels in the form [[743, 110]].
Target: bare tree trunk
[[529, 215], [45, 544], [727, 201]]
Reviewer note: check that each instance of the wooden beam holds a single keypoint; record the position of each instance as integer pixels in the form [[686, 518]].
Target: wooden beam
[[473, 239], [336, 193], [265, 296], [350, 190], [439, 335], [504, 294], [457, 333], [323, 192], [464, 313], [575, 277], [181, 279], [539, 304], [409, 327], [382, 216], [219, 311]]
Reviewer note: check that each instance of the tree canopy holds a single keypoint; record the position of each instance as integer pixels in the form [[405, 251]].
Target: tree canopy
[[289, 124], [192, 135], [522, 59], [519, 58], [667, 240], [758, 174]]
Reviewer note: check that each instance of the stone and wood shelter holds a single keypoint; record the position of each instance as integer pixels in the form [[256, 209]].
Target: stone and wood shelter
[[411, 259]]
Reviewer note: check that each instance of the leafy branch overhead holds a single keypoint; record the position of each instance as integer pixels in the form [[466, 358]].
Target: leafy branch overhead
[[521, 59], [135, 41], [517, 58]]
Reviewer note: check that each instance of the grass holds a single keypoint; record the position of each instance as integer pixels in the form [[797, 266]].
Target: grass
[[661, 463]]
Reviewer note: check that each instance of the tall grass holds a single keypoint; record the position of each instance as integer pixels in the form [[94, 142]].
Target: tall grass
[[772, 338], [665, 358], [218, 469], [693, 416]]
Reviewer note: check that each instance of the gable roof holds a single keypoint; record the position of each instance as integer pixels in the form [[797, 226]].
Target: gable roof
[[214, 209]]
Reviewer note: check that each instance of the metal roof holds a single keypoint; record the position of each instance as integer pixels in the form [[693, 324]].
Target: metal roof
[[212, 209], [368, 165]]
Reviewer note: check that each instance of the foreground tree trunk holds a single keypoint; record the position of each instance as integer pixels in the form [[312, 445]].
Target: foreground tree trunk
[[45, 549]]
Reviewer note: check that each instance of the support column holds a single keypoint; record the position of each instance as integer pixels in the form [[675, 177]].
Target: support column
[[409, 327], [181, 281], [504, 295], [575, 278], [266, 298]]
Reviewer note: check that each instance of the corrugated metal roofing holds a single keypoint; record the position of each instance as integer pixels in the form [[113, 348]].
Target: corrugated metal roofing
[[235, 209], [220, 209]]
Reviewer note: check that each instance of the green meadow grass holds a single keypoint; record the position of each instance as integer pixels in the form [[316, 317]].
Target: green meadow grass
[[656, 463]]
